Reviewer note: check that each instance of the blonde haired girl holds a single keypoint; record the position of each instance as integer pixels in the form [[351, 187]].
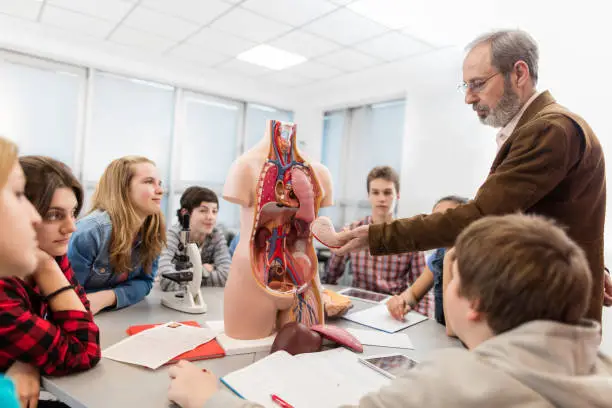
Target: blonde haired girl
[[115, 250]]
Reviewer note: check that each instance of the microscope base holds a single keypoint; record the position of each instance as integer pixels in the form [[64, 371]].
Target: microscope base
[[186, 304]]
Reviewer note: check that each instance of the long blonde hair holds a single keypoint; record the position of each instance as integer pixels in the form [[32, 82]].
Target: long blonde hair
[[8, 157], [113, 196]]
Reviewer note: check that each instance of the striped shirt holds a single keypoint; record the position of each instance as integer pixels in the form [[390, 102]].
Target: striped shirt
[[390, 274], [214, 251]]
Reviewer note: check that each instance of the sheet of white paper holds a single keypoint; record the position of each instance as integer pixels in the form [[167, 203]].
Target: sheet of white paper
[[382, 339], [154, 347], [217, 326], [378, 317]]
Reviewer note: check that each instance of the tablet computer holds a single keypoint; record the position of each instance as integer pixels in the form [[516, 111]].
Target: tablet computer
[[364, 295], [390, 365]]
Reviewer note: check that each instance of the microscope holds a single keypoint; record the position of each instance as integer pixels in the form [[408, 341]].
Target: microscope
[[188, 274]]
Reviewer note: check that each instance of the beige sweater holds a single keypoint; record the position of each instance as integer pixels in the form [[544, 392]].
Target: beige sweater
[[540, 364]]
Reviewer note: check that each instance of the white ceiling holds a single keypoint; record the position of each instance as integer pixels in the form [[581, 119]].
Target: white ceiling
[[208, 34]]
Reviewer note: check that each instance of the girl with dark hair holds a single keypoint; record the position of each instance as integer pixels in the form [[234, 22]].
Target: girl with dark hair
[[45, 323], [401, 304]]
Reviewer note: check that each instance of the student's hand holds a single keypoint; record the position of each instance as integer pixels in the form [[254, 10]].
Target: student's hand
[[42, 258], [48, 275], [607, 290], [401, 304], [208, 267], [398, 307], [27, 383], [355, 240], [190, 387], [101, 300]]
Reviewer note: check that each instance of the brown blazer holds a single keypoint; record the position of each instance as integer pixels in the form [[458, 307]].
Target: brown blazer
[[552, 165]]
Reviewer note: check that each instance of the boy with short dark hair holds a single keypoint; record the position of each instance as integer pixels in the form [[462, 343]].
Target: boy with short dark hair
[[390, 274]]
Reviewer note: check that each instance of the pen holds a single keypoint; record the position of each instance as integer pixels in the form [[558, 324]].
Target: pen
[[281, 402]]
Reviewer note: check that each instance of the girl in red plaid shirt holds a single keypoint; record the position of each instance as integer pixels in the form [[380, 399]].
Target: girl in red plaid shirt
[[45, 323]]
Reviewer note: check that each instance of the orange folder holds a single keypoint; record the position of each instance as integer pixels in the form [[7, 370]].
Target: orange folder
[[205, 351]]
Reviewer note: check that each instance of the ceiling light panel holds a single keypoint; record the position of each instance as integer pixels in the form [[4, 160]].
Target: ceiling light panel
[[271, 57]]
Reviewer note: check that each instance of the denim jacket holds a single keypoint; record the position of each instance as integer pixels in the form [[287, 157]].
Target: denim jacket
[[435, 263], [90, 257]]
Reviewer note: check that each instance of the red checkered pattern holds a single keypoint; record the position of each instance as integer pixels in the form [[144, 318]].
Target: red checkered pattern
[[390, 274], [58, 343]]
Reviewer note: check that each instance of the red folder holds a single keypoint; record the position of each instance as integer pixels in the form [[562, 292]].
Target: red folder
[[205, 351]]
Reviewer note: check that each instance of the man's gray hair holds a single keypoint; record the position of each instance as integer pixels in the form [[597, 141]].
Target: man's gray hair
[[508, 47]]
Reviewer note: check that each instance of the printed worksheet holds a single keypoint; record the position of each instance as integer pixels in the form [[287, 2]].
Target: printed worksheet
[[154, 347]]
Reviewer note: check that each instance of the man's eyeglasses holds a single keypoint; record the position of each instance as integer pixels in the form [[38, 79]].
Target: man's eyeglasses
[[475, 86]]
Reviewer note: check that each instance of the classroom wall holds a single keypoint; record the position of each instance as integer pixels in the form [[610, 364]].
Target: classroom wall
[[309, 120], [446, 149]]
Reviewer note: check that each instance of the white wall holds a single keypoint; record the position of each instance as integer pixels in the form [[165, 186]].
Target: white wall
[[309, 120], [446, 150]]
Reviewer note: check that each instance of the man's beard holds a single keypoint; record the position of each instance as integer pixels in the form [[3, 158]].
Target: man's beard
[[507, 107]]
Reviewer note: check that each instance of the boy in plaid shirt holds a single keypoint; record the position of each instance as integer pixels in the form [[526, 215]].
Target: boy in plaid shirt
[[390, 274]]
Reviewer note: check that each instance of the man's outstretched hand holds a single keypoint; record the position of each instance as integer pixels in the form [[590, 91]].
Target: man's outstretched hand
[[353, 240]]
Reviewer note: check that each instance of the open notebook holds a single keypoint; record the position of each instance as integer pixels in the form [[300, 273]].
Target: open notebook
[[325, 379]]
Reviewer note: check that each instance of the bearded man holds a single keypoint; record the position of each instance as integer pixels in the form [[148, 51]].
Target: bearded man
[[549, 162]]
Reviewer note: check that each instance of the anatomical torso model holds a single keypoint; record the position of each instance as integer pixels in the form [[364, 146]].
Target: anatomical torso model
[[274, 278]]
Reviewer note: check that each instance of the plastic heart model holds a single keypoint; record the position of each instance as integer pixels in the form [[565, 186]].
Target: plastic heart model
[[323, 230]]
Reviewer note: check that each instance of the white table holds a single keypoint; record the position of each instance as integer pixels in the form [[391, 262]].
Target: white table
[[119, 385]]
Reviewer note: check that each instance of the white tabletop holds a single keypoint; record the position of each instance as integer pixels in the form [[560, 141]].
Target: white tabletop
[[119, 385]]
